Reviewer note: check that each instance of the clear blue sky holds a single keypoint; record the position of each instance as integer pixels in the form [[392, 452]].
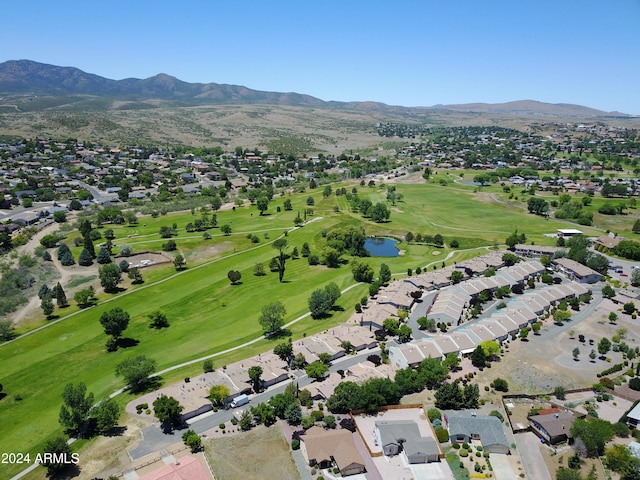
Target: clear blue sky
[[412, 53]]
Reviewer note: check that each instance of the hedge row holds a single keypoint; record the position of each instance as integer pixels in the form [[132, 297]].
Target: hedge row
[[616, 368]]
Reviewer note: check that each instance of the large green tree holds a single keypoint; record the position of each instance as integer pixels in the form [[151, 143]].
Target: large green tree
[[61, 297], [385, 274], [59, 461], [346, 397], [136, 371], [218, 394], [255, 374], [104, 256], [110, 276], [593, 433], [85, 259], [75, 409], [168, 410], [449, 397], [281, 244], [317, 370], [106, 415], [47, 306], [379, 212], [272, 318], [537, 205], [263, 204], [620, 459], [284, 350], [320, 303], [114, 322], [478, 357]]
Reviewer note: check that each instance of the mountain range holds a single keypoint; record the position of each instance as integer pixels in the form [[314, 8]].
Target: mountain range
[[20, 78]]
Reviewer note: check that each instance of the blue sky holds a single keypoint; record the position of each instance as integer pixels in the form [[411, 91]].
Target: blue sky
[[411, 53]]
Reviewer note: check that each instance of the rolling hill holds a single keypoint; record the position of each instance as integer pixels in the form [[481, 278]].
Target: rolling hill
[[29, 78]]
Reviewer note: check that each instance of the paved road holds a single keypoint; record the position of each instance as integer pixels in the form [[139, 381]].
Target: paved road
[[532, 461], [99, 196], [153, 439], [14, 212]]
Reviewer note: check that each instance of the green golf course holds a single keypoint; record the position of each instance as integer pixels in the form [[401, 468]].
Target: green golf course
[[207, 314]]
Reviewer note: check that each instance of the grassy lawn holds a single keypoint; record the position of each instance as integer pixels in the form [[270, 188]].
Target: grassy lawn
[[208, 315]]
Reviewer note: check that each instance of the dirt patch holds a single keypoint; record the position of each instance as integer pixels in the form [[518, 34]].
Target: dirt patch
[[546, 361], [144, 259], [108, 455], [556, 457], [207, 252], [242, 456]]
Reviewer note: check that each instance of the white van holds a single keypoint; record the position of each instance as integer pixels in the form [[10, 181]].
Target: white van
[[239, 401]]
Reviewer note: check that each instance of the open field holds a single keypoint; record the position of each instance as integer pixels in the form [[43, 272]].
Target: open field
[[209, 315], [267, 449]]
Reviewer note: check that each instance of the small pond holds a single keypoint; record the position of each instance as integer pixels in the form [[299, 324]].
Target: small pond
[[381, 247]]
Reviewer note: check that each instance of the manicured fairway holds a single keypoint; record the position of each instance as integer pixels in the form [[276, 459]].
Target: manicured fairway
[[209, 315]]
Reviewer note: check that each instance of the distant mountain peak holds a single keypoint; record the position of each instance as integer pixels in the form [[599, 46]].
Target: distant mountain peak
[[27, 77]]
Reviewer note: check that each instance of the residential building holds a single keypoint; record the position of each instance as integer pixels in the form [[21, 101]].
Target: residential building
[[464, 427], [403, 437], [327, 448]]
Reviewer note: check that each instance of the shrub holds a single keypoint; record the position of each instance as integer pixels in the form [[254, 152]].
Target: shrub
[[615, 368], [317, 415], [443, 435], [170, 246], [207, 366], [500, 384], [463, 452], [295, 444], [621, 429], [433, 414], [634, 384], [606, 382], [497, 414]]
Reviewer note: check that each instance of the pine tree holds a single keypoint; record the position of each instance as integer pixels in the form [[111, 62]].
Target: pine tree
[[47, 306], [103, 256], [85, 259], [61, 297], [88, 245], [62, 250], [44, 291], [66, 258]]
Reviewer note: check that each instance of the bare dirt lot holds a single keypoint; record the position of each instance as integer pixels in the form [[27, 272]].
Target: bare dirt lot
[[262, 453], [546, 361]]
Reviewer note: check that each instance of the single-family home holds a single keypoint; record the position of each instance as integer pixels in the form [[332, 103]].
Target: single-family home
[[464, 427], [552, 427], [403, 437], [327, 448]]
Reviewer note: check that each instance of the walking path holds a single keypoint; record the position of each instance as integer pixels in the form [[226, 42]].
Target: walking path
[[170, 277]]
